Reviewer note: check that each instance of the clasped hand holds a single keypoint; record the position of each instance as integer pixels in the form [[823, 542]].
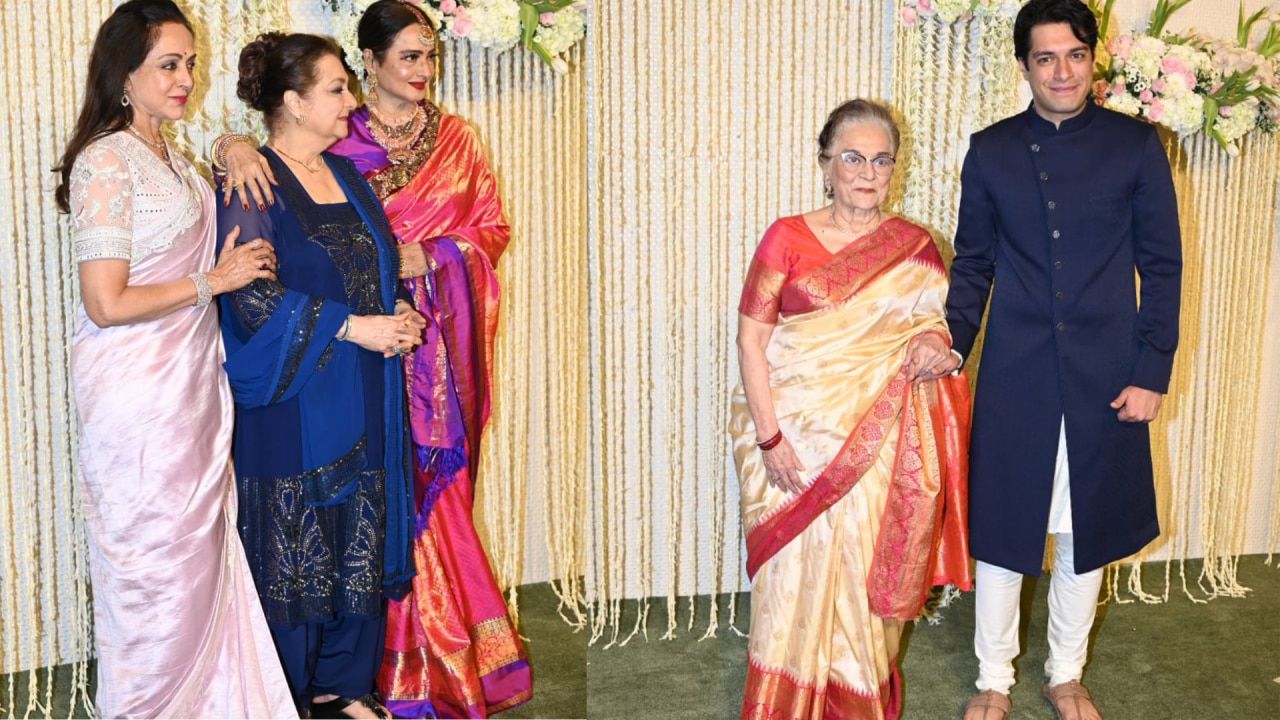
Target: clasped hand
[[929, 358], [389, 334]]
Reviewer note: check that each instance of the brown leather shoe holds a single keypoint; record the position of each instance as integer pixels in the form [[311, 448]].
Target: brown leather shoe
[[988, 705], [1071, 701]]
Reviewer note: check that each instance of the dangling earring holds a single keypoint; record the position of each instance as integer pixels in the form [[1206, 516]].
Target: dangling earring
[[124, 99], [371, 97], [826, 187]]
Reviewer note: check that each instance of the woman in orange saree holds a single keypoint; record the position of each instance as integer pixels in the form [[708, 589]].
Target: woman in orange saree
[[451, 649], [848, 438]]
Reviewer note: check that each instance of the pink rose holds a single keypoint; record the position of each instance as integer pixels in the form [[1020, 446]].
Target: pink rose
[[546, 18], [448, 6], [1146, 96], [1100, 88], [462, 23], [1156, 110], [1225, 111], [926, 6], [1171, 65], [909, 16], [1118, 88], [1158, 85], [1120, 46]]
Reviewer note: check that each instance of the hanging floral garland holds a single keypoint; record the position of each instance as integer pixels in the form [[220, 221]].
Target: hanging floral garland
[[950, 11], [548, 28]]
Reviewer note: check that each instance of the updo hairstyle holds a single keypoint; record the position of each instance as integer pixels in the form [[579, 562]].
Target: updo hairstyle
[[276, 63]]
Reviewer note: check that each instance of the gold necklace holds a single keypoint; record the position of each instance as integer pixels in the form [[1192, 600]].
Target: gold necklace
[[397, 137], [138, 134], [305, 166], [162, 146], [850, 233]]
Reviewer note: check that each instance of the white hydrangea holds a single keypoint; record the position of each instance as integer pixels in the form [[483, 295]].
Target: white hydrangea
[[1125, 103], [567, 27], [1183, 112], [1243, 118], [494, 24], [1146, 55]]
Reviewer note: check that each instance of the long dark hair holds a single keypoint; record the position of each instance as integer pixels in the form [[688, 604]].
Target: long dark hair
[[276, 63], [123, 42]]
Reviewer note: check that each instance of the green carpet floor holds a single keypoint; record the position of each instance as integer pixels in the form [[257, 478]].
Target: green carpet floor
[[556, 653], [1174, 661]]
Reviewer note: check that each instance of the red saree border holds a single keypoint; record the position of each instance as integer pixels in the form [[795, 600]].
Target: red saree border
[[775, 530], [923, 537], [860, 264], [773, 694]]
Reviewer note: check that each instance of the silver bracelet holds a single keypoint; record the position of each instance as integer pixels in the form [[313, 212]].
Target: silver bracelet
[[204, 293]]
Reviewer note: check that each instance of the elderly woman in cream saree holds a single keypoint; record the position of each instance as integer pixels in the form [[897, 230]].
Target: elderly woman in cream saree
[[848, 438]]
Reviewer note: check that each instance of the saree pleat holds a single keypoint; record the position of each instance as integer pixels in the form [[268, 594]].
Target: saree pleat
[[837, 568], [451, 649]]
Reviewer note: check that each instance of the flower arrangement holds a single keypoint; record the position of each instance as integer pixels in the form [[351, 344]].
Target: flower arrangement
[[547, 27], [1192, 82], [956, 10]]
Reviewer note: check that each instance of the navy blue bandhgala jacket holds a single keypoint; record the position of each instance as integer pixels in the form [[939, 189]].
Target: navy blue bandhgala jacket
[[1060, 219]]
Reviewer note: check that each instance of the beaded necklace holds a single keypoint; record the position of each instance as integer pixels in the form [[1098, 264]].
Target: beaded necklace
[[397, 137]]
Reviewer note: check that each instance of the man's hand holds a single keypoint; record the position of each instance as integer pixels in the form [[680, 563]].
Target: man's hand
[[1137, 404]]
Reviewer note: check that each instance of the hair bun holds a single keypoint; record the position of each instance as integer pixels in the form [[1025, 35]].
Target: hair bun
[[253, 65]]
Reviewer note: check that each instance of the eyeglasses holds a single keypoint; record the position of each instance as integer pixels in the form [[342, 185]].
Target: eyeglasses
[[855, 161]]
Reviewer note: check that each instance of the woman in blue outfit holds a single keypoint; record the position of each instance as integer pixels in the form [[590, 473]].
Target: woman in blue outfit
[[314, 362]]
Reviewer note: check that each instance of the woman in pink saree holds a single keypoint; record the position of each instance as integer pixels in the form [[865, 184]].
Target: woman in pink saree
[[178, 627], [849, 445], [451, 648]]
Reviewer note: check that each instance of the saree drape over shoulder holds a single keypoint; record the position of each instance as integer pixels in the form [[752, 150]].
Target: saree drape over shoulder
[[178, 628], [320, 442], [451, 649], [837, 568]]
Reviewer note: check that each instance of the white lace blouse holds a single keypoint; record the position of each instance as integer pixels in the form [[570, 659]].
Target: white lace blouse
[[126, 203]]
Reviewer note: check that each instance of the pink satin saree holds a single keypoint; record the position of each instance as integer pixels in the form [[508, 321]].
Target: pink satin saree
[[451, 649], [837, 568]]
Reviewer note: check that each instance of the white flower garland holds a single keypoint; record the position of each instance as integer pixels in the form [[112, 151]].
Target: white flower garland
[[547, 27]]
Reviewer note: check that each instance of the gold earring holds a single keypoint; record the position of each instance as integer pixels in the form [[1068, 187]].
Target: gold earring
[[372, 95], [300, 118]]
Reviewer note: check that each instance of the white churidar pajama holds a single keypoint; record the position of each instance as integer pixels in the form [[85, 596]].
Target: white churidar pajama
[[1073, 601]]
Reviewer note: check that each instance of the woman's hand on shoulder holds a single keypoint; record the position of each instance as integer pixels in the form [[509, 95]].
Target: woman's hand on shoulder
[[387, 334], [248, 174], [239, 265]]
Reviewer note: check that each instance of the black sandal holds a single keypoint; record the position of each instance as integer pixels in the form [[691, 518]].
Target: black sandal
[[335, 709]]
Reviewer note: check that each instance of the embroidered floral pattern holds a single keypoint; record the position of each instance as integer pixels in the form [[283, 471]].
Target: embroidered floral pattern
[[126, 203]]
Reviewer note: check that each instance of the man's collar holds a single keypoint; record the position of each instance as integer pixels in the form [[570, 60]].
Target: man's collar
[[1075, 123]]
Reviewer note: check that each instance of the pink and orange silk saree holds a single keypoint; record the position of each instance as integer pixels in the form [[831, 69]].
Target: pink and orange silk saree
[[451, 649], [838, 568]]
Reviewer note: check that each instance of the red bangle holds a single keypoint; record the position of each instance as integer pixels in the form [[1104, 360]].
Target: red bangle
[[771, 443]]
